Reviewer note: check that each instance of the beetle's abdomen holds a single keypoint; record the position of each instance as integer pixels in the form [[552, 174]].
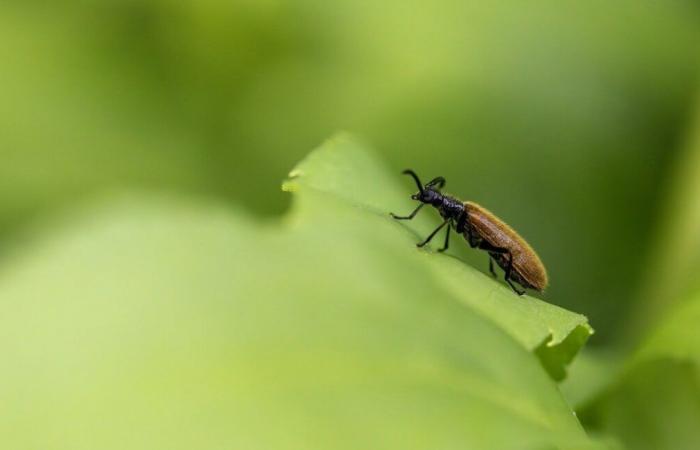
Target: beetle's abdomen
[[528, 269]]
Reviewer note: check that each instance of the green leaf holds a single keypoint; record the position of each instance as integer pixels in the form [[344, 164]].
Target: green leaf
[[346, 170], [156, 323], [655, 403]]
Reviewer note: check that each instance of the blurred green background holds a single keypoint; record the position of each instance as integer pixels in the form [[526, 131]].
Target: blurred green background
[[572, 120], [562, 117]]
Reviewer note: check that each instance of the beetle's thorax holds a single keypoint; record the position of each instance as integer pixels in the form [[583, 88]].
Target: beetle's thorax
[[450, 207]]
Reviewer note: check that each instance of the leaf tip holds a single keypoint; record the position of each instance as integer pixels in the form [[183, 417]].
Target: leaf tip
[[555, 355], [289, 185]]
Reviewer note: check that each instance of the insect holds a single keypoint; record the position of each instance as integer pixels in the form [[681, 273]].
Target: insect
[[482, 230]]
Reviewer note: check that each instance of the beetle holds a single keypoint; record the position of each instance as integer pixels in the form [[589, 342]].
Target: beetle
[[482, 230]]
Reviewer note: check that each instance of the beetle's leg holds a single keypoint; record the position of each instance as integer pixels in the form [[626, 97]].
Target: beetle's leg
[[437, 180], [493, 272], [410, 216], [510, 283], [464, 227], [483, 245], [509, 270], [447, 239], [472, 238], [461, 221], [421, 244]]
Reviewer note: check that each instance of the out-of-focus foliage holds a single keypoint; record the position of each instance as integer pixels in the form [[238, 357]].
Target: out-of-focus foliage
[[590, 374], [655, 402], [205, 328], [672, 273], [561, 116]]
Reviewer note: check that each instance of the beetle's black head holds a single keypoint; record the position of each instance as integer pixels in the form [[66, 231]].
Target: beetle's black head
[[430, 193]]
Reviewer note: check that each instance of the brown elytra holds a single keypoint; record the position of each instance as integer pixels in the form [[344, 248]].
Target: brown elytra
[[528, 270]]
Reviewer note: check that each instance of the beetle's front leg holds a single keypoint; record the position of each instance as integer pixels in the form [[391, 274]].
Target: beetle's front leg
[[421, 244], [447, 240], [410, 216]]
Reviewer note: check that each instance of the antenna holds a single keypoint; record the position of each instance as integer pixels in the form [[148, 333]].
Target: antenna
[[415, 177]]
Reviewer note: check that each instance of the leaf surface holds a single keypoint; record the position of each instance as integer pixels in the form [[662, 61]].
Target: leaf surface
[[148, 322]]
